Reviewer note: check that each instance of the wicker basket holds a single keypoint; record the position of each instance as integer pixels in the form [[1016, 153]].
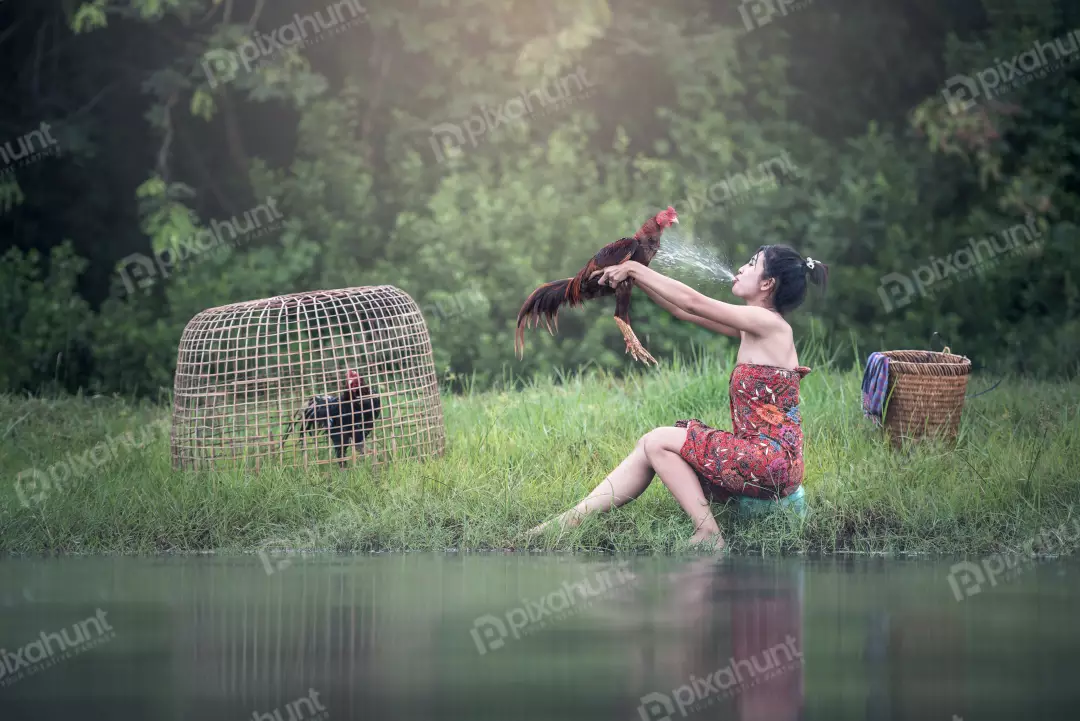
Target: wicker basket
[[926, 394]]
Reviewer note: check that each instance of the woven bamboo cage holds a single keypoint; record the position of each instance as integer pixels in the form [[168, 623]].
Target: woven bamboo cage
[[246, 374], [926, 394]]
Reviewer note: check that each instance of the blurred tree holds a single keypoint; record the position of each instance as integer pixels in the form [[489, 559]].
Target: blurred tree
[[469, 151]]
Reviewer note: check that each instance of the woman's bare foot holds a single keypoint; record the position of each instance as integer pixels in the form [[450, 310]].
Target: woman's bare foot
[[567, 519], [710, 539]]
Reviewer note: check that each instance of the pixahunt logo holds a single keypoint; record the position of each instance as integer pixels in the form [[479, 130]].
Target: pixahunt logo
[[33, 486], [736, 187], [273, 547], [966, 578], [489, 632], [29, 147], [137, 271], [962, 92], [52, 648], [756, 13], [898, 289], [722, 683], [315, 710], [449, 137], [222, 66]]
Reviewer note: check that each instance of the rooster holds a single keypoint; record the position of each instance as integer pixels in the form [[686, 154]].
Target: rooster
[[347, 419], [546, 300]]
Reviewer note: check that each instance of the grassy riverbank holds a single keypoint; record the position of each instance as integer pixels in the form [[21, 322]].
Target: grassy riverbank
[[514, 458]]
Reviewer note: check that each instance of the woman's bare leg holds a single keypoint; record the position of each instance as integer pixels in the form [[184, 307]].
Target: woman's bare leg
[[628, 481], [662, 447]]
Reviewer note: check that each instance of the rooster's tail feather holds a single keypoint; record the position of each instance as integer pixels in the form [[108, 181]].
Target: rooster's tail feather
[[541, 305]]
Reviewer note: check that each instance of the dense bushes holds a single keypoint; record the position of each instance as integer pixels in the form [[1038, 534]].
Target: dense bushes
[[368, 196]]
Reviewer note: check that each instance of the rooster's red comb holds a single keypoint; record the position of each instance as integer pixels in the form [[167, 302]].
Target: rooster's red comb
[[668, 216]]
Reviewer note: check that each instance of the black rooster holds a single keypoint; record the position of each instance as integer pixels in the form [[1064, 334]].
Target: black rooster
[[347, 419]]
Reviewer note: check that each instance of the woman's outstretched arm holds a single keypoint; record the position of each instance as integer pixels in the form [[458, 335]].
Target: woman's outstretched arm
[[683, 315], [751, 319]]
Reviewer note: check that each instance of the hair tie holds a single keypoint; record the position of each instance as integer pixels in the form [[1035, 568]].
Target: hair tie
[[810, 262]]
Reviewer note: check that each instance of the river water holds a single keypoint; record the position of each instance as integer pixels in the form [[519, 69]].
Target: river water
[[518, 637]]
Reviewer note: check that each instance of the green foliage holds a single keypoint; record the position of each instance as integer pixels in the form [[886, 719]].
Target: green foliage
[[43, 322], [882, 178], [89, 16], [10, 194]]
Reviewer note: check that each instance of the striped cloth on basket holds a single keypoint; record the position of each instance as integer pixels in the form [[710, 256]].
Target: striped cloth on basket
[[875, 384]]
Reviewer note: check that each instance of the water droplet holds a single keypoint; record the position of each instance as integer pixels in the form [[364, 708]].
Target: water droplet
[[676, 251]]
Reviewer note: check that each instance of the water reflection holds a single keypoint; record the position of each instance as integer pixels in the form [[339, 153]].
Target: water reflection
[[916, 661], [564, 638], [736, 648], [258, 646]]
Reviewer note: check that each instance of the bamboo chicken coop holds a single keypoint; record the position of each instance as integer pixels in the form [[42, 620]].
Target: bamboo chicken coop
[[325, 377]]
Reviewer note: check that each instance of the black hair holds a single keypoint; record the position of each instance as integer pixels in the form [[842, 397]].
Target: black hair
[[790, 271]]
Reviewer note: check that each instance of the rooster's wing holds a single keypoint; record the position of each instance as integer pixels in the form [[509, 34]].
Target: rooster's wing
[[582, 287]]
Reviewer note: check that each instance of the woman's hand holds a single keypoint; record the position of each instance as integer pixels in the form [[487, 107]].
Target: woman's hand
[[615, 274]]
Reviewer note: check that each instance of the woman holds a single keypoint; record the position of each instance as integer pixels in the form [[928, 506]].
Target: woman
[[740, 625], [763, 457]]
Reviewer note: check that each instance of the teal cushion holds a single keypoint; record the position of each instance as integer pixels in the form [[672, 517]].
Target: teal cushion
[[756, 507]]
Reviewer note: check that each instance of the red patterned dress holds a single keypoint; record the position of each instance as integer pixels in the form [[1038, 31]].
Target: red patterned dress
[[763, 457]]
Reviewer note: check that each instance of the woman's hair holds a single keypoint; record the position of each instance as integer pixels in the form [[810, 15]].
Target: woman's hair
[[791, 271]]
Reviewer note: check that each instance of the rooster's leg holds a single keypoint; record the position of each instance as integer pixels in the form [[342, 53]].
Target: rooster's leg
[[633, 345], [622, 319], [339, 449]]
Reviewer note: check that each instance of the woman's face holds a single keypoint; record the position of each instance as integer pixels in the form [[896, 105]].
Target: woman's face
[[748, 279]]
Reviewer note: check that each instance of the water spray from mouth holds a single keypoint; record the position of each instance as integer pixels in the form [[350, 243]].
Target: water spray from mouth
[[677, 250]]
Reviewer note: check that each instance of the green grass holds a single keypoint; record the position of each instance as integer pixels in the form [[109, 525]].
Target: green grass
[[516, 457]]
